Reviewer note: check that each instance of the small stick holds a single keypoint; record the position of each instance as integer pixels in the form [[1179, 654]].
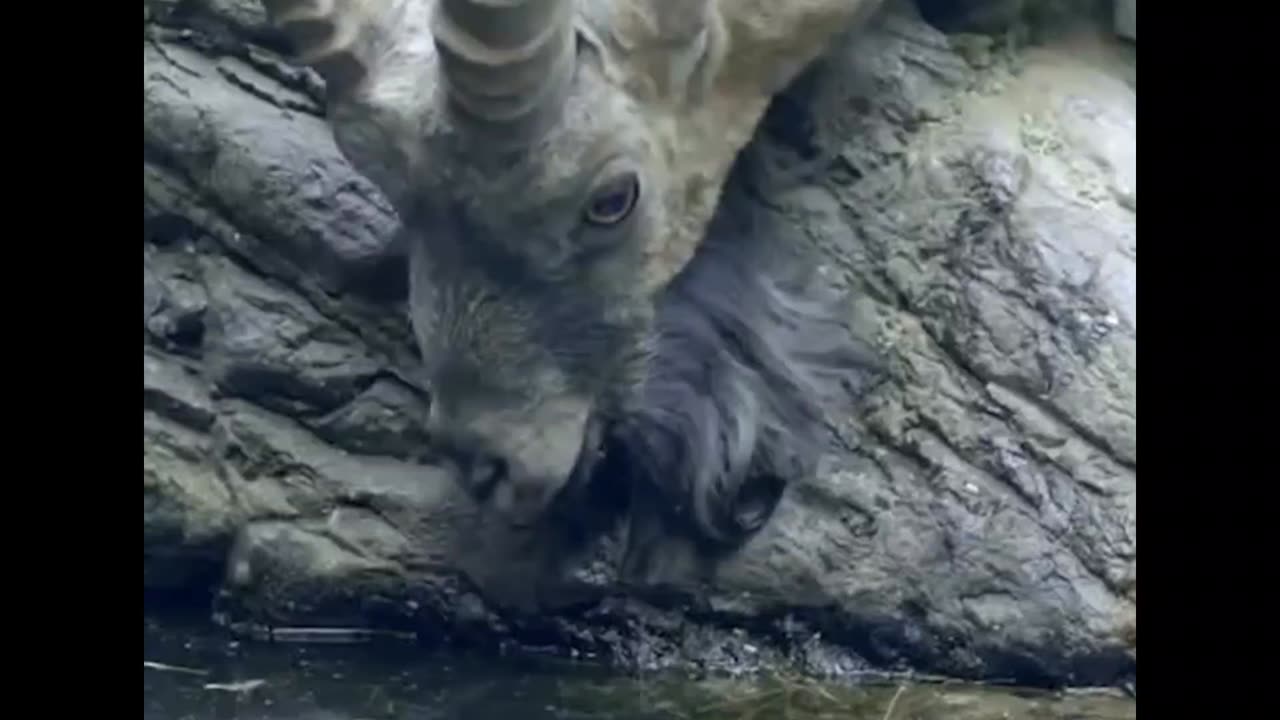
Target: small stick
[[243, 686], [893, 702], [172, 668]]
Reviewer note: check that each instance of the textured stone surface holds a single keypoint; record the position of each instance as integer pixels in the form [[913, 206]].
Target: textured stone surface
[[1127, 19], [977, 515]]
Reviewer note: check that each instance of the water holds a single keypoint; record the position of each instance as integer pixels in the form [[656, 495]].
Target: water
[[216, 677]]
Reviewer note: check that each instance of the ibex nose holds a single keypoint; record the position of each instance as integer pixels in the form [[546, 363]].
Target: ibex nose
[[517, 495], [480, 468], [515, 462], [521, 500]]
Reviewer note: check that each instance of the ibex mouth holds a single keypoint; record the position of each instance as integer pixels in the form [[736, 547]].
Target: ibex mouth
[[583, 500], [530, 503]]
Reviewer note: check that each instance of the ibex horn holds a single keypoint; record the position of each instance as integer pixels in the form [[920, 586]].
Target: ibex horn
[[507, 64], [325, 35]]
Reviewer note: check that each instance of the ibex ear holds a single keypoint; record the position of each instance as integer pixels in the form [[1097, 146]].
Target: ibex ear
[[331, 36], [675, 47]]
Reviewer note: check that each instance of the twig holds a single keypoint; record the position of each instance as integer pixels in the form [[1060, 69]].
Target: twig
[[824, 693], [758, 698], [173, 668], [889, 712], [335, 635], [241, 687]]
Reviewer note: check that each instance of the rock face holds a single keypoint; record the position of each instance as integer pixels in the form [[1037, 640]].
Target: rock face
[[1127, 19], [977, 513]]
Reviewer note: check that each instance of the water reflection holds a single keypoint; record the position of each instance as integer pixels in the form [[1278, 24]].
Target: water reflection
[[193, 673]]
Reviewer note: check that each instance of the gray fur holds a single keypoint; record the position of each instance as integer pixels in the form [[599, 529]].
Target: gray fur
[[730, 412]]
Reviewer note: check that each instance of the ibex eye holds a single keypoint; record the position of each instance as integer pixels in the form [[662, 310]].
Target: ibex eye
[[614, 200]]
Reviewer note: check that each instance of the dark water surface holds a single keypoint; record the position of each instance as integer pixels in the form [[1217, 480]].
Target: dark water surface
[[203, 673]]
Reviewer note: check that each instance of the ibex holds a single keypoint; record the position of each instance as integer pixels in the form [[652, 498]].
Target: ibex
[[556, 165]]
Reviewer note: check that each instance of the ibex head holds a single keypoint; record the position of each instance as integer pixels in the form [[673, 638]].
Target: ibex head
[[556, 164]]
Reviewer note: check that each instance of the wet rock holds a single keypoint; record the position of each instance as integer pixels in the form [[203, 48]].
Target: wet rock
[[282, 469], [246, 17], [269, 344], [173, 389], [385, 419], [308, 571], [977, 515], [241, 137], [173, 299], [188, 514]]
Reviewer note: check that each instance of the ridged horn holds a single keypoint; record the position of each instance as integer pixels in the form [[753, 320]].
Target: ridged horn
[[507, 64], [325, 35]]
